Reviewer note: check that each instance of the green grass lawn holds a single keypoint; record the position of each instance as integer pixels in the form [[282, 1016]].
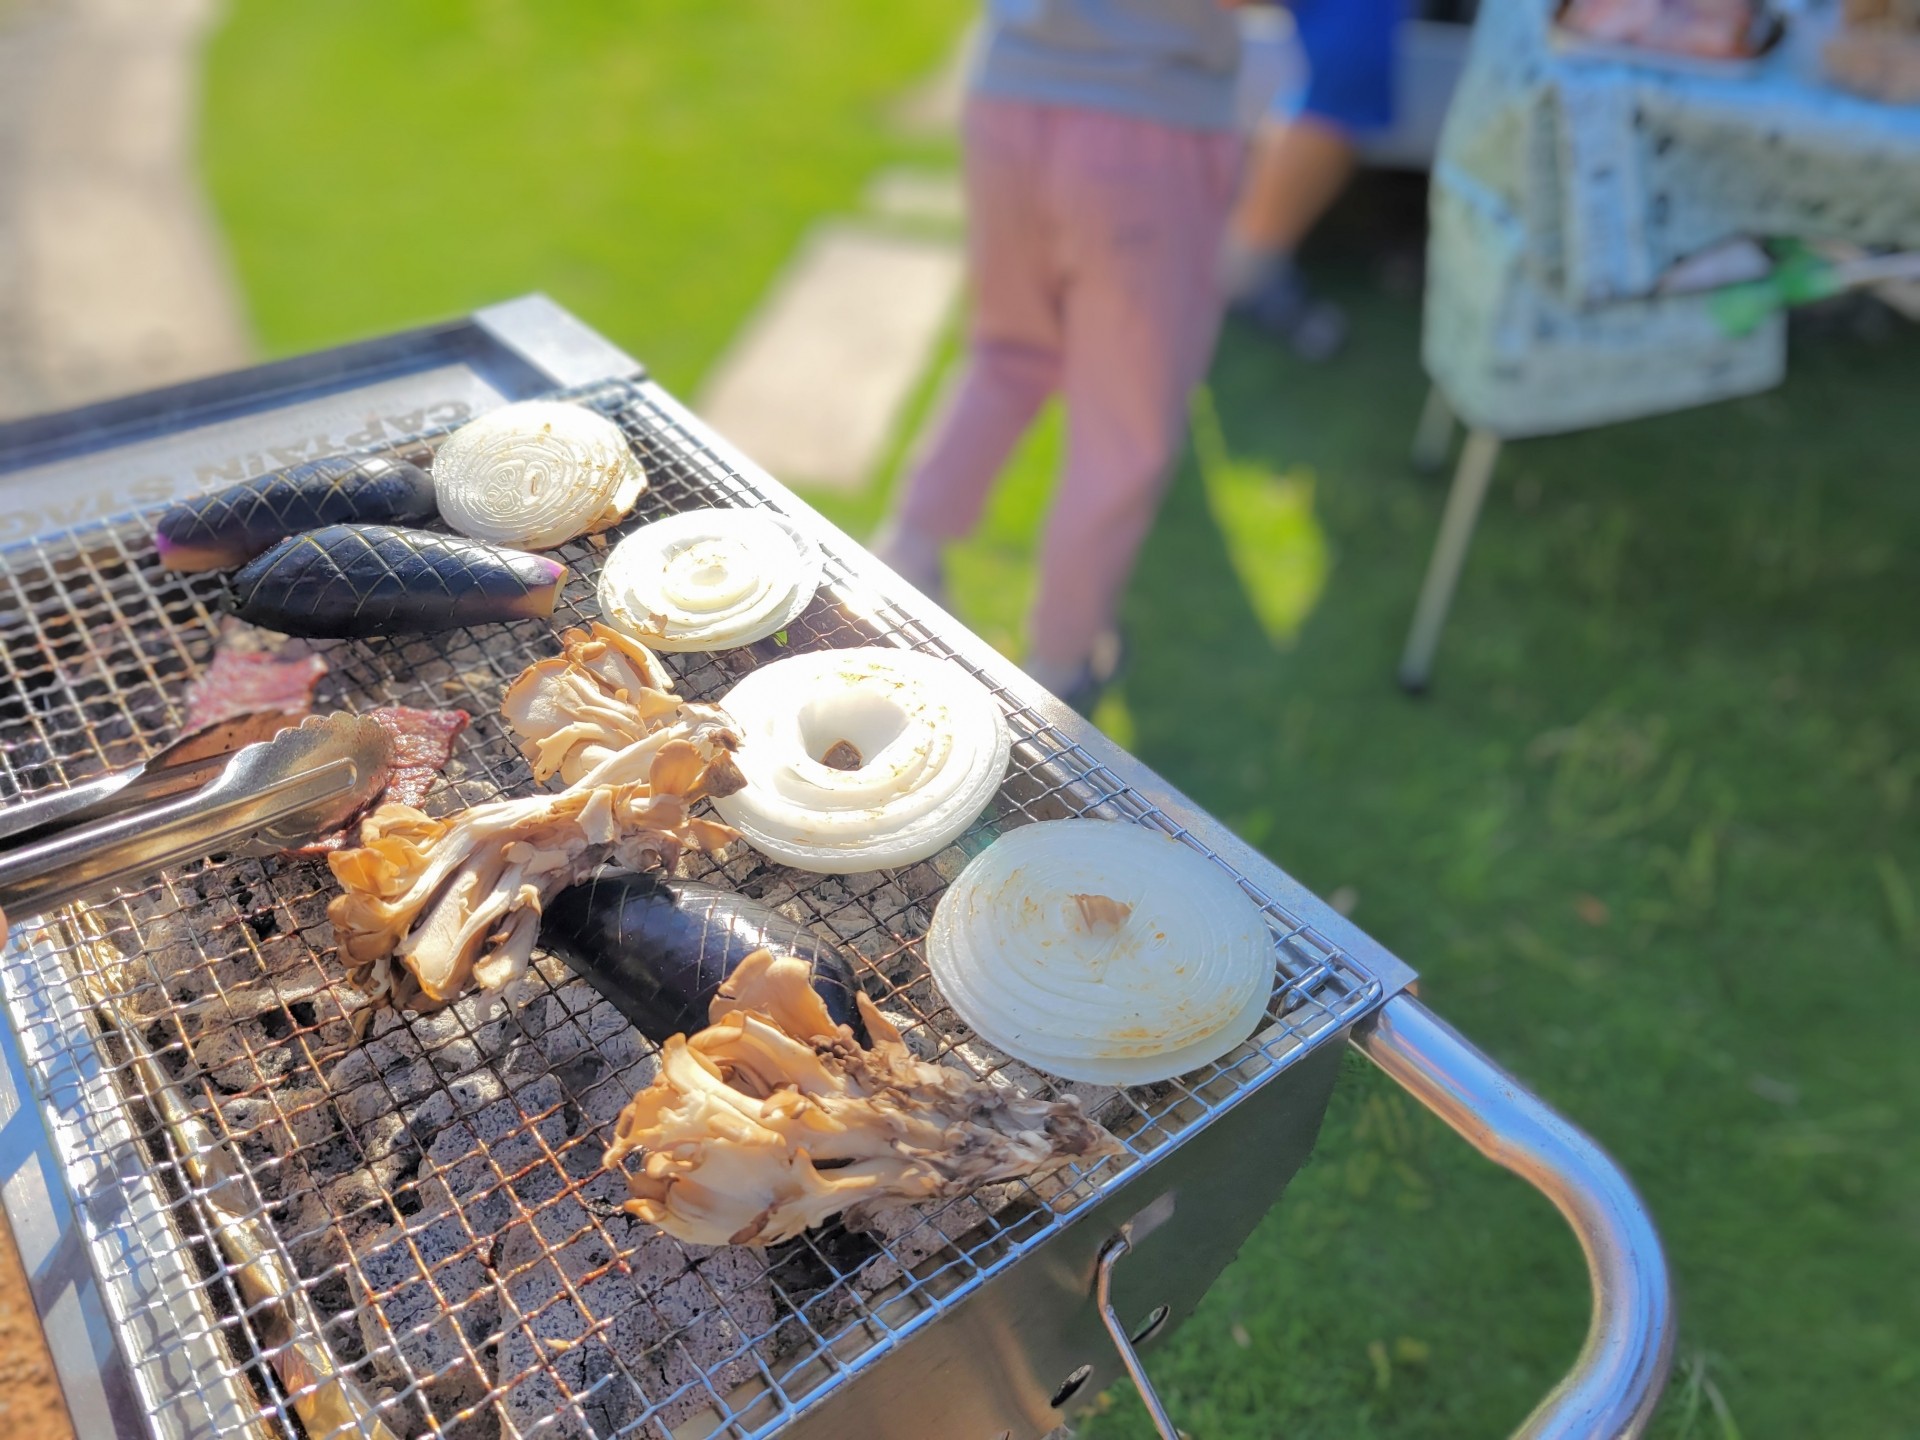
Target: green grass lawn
[[378, 163], [1652, 840]]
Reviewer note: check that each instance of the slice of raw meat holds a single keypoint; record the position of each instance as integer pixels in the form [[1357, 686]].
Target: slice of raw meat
[[243, 680], [422, 745]]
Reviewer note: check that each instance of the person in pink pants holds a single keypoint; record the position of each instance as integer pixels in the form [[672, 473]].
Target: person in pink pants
[[1095, 224]]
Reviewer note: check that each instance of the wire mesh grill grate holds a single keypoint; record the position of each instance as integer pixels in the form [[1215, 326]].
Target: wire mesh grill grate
[[432, 1188]]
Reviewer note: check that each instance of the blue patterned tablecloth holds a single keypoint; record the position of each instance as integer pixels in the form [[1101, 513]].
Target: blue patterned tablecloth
[[1568, 183]]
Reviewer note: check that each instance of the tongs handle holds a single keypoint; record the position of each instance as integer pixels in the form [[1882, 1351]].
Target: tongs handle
[[91, 858], [183, 765], [29, 820], [24, 817]]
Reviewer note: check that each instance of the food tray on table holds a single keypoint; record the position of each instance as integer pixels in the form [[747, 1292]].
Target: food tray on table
[[1766, 28], [434, 1226]]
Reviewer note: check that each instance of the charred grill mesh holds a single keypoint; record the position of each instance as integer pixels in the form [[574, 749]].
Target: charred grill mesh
[[435, 1186]]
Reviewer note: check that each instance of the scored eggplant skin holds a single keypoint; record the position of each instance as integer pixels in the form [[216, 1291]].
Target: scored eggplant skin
[[231, 526], [350, 581], [659, 948]]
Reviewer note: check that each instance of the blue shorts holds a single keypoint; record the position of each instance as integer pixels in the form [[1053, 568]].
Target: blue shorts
[[1349, 47]]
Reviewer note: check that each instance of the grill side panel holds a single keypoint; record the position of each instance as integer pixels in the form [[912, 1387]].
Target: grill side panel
[[993, 1362], [433, 1185]]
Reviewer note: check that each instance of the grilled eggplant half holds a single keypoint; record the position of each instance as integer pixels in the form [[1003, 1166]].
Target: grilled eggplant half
[[355, 580], [659, 948], [231, 526]]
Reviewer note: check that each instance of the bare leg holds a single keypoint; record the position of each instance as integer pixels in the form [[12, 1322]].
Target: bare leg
[[1294, 175]]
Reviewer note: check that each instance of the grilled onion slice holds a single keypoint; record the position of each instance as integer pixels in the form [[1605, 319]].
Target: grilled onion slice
[[862, 759], [536, 474], [709, 579], [1101, 951]]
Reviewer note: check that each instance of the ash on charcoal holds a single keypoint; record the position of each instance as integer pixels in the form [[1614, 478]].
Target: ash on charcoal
[[428, 1308], [607, 1313], [281, 1121], [916, 1233], [496, 1160]]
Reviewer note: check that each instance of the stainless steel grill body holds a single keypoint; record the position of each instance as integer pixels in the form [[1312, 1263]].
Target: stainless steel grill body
[[434, 1190]]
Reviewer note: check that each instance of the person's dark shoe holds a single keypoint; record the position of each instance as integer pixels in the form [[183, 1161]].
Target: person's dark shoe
[[1097, 676], [1084, 698], [915, 559], [1284, 309]]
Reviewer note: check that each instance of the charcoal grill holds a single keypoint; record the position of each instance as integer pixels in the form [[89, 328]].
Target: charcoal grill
[[430, 1232]]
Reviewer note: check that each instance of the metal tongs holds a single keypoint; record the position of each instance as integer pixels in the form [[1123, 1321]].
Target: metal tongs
[[252, 785]]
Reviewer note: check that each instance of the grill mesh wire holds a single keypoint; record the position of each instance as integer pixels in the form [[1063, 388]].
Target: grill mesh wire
[[563, 1320]]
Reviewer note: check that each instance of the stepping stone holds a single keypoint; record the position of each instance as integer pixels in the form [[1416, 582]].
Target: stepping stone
[[112, 273], [917, 197], [932, 108], [814, 386]]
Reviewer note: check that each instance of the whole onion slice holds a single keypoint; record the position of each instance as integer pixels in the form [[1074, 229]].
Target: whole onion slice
[[709, 579], [1100, 951], [536, 474], [862, 759]]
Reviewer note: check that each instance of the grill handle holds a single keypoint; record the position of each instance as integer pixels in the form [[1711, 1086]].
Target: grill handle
[[1109, 1257], [1613, 1386]]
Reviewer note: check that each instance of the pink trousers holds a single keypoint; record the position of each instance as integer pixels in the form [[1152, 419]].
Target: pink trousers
[[1093, 240]]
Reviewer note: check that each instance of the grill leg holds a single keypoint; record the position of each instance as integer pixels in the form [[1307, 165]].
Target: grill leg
[[1433, 436], [1103, 1297], [1470, 481]]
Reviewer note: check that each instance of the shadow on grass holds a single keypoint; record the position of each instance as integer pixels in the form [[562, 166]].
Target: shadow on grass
[[1651, 842]]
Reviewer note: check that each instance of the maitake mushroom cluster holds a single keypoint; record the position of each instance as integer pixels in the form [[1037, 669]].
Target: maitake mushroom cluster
[[457, 901], [774, 1119]]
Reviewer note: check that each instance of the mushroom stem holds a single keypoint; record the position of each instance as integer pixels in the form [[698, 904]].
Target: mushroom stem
[[458, 901], [773, 1119]]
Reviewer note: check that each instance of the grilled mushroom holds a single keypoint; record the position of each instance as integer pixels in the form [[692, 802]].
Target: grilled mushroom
[[773, 1119]]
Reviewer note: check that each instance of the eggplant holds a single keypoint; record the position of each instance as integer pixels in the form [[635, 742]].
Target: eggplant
[[348, 581], [659, 949], [231, 526]]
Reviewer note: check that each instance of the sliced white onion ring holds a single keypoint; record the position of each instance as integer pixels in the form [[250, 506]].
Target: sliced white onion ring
[[709, 579], [862, 759], [1101, 951], [536, 474]]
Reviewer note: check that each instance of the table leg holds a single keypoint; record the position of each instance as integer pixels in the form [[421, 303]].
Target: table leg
[[1470, 481], [1433, 437]]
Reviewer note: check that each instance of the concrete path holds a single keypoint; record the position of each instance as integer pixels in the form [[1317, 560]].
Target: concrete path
[[817, 383], [933, 106], [111, 279], [915, 196], [112, 276]]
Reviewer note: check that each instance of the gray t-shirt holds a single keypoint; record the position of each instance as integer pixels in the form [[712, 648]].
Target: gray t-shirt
[[1174, 61]]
